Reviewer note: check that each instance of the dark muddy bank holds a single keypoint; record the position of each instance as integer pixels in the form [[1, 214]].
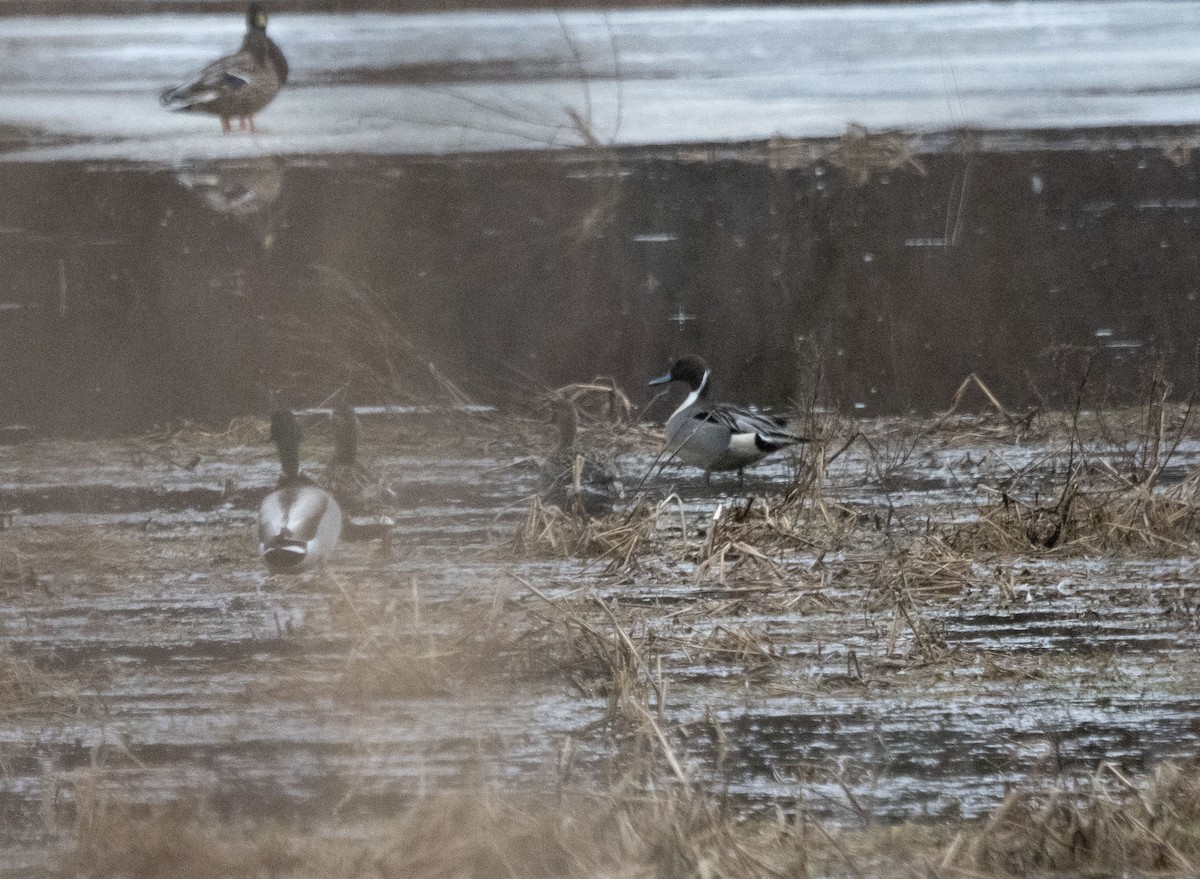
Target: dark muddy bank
[[871, 276]]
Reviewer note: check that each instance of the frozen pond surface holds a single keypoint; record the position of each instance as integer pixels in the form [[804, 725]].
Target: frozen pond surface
[[86, 87]]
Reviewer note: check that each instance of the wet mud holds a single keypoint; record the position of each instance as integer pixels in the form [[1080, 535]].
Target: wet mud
[[879, 662]]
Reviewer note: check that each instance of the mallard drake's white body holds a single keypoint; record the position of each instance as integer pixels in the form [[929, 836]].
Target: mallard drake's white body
[[574, 481], [299, 523], [237, 85], [717, 436]]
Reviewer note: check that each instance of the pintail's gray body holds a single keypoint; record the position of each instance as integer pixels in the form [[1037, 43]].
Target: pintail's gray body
[[718, 436]]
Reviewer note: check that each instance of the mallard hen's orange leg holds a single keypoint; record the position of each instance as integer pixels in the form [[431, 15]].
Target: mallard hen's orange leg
[[241, 123], [225, 128], [253, 130]]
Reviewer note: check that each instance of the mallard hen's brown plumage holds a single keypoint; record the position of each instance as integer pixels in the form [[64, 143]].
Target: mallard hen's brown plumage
[[577, 481], [238, 85]]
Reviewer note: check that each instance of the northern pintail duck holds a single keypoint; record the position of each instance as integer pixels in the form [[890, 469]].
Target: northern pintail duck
[[299, 523], [237, 85], [718, 436], [573, 480]]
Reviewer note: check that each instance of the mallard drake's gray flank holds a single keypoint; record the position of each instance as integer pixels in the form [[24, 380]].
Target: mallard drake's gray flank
[[299, 523], [718, 436], [238, 85], [572, 480]]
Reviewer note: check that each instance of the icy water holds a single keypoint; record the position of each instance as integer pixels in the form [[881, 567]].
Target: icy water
[[444, 209], [445, 83], [1028, 194], [129, 573]]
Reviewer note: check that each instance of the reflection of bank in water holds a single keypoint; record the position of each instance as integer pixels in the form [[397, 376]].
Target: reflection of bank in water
[[240, 187]]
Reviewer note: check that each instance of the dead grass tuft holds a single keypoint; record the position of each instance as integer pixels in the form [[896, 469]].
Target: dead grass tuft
[[1109, 823], [1095, 512], [123, 842], [487, 834], [616, 539], [27, 688], [862, 153]]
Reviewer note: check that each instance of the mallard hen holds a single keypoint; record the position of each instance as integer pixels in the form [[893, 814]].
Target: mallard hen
[[238, 85], [574, 480]]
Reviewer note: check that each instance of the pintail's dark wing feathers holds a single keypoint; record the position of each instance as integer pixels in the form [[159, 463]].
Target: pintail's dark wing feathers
[[739, 419]]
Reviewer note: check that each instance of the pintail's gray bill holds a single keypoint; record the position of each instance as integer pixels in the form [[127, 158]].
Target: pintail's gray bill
[[661, 380]]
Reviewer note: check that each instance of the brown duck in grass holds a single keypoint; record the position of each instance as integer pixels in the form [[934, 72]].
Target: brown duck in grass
[[238, 85], [575, 480]]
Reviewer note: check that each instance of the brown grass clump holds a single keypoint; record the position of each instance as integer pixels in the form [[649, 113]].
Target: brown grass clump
[[121, 842], [616, 539], [862, 153], [1110, 824], [1112, 496], [486, 834], [1097, 512], [177, 443], [618, 653], [26, 688]]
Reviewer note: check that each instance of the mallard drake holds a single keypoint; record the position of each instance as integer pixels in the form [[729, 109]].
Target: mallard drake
[[299, 523], [718, 436], [576, 481], [238, 85]]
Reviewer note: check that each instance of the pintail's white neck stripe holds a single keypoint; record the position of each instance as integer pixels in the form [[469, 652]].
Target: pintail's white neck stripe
[[694, 396]]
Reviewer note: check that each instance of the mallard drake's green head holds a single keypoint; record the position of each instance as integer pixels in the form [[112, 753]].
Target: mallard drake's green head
[[256, 18], [285, 433]]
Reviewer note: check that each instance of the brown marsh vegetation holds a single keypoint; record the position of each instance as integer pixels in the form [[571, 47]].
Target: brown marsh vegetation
[[896, 566]]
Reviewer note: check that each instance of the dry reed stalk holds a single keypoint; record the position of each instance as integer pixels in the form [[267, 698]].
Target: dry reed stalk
[[1109, 823], [489, 833], [617, 539], [27, 689], [862, 153], [614, 406]]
